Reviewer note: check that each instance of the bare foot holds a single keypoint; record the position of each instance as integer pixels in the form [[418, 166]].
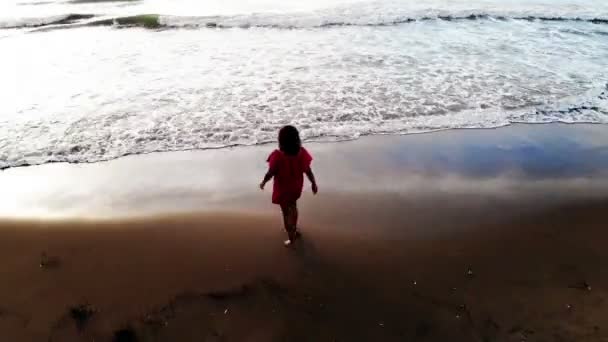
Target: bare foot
[[293, 236]]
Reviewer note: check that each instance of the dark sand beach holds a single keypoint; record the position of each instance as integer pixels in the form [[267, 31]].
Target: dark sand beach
[[465, 235]]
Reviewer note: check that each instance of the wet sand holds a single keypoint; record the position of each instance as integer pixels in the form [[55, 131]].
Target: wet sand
[[407, 241]]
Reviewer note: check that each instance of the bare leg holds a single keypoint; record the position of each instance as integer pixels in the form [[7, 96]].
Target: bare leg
[[285, 212], [295, 215], [290, 216], [295, 221]]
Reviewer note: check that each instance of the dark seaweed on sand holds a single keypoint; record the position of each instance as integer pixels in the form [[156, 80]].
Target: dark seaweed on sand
[[81, 314], [125, 335]]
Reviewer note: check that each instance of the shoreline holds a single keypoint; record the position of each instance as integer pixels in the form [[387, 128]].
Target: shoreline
[[314, 142], [528, 157]]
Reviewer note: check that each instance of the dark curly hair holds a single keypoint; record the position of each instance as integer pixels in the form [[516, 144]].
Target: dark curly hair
[[289, 140]]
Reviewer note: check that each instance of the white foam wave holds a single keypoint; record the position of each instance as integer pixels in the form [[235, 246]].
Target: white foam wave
[[30, 22], [94, 94], [380, 13], [385, 12]]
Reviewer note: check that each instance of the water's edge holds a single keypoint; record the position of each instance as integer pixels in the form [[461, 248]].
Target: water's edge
[[315, 141]]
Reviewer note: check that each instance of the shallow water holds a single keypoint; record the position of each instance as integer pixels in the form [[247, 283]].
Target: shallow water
[[232, 72]]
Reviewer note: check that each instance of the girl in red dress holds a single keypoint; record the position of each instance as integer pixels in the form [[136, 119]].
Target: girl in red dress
[[288, 165]]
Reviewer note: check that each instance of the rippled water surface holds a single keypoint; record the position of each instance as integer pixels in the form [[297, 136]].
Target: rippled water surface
[[92, 80]]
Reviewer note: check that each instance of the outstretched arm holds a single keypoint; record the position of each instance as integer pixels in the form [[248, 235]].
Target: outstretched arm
[[311, 178], [267, 177]]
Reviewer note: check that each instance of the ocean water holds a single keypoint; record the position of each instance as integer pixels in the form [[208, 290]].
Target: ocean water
[[90, 80]]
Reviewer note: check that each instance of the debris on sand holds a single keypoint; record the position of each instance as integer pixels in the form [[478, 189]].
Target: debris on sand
[[155, 320], [159, 318], [44, 260], [243, 291], [583, 285], [48, 262], [81, 314], [125, 335], [522, 333], [462, 308]]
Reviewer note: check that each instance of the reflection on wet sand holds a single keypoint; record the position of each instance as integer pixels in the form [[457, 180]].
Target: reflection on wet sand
[[540, 161]]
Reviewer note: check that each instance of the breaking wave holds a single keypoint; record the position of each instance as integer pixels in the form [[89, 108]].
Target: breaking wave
[[278, 21]]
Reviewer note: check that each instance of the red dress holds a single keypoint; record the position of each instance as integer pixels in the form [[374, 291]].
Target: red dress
[[288, 175]]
